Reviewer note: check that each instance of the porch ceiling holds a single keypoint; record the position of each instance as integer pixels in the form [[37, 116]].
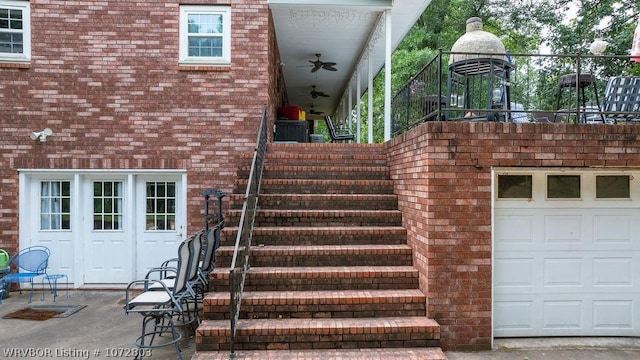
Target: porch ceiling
[[341, 31]]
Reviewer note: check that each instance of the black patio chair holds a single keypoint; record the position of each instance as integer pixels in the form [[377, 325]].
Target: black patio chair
[[622, 99], [332, 132]]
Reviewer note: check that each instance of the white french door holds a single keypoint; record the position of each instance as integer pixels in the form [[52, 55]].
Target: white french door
[[159, 223], [103, 227], [108, 251]]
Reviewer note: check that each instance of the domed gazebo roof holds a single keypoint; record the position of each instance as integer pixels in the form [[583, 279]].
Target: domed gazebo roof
[[477, 41]]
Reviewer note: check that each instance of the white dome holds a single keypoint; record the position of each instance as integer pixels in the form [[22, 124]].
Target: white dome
[[475, 40]]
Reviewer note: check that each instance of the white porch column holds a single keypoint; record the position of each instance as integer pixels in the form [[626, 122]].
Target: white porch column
[[350, 103], [358, 108], [370, 101], [387, 76]]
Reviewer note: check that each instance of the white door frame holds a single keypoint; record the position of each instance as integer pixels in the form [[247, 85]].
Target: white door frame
[[27, 218]]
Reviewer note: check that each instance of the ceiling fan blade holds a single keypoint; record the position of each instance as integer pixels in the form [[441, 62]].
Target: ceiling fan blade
[[329, 67]]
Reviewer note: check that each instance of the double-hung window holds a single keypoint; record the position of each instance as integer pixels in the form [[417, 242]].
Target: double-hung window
[[15, 30], [205, 35]]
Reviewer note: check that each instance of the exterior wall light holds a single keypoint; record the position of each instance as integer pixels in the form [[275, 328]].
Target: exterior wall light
[[42, 135]]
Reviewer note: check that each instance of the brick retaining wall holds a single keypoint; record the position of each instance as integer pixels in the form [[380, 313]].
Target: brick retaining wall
[[442, 175]]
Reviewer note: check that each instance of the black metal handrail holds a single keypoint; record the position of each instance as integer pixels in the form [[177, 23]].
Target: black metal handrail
[[534, 82], [240, 262]]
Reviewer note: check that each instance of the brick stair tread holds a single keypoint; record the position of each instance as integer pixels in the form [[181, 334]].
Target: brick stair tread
[[316, 167], [322, 213], [431, 353], [321, 297], [324, 249], [317, 182], [321, 326], [321, 230], [325, 271], [336, 197]]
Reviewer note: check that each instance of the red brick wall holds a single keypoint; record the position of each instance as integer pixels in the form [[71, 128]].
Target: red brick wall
[[442, 174], [105, 77]]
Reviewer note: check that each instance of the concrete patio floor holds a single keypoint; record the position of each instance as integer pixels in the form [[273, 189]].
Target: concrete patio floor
[[102, 330]]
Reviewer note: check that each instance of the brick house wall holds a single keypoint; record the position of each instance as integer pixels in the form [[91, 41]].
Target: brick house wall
[[104, 75], [442, 175]]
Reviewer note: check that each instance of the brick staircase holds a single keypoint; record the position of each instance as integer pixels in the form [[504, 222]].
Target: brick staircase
[[331, 274]]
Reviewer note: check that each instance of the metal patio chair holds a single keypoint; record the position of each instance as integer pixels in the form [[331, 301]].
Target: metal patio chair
[[28, 264], [622, 99], [163, 308], [333, 134]]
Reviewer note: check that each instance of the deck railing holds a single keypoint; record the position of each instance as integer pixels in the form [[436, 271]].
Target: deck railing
[[241, 254], [534, 81]]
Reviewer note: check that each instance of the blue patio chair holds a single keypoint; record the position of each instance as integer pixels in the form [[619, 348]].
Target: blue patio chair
[[28, 264]]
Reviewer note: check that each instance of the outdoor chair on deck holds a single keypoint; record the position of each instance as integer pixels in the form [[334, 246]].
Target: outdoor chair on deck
[[622, 99], [29, 264], [162, 307], [332, 132]]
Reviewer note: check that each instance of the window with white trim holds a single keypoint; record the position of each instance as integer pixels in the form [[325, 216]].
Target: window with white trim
[[55, 205], [15, 30], [205, 35]]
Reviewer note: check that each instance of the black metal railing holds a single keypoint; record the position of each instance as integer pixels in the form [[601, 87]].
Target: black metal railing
[[517, 88], [240, 262]]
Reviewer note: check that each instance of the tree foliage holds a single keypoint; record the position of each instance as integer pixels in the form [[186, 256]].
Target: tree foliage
[[524, 26]]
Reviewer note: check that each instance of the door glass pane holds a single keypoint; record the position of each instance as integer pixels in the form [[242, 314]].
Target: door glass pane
[[563, 186], [55, 205], [514, 186], [161, 209], [106, 216], [613, 187]]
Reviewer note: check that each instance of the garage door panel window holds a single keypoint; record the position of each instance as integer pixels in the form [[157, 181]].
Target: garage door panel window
[[55, 205], [515, 186], [613, 187], [563, 186]]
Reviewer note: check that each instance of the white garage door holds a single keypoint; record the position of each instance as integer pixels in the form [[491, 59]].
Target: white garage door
[[566, 253]]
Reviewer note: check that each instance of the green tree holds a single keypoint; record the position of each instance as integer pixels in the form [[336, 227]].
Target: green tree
[[524, 27]]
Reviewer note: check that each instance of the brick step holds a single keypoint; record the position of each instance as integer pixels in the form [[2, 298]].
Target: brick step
[[320, 217], [327, 160], [321, 186], [320, 278], [355, 235], [319, 172], [306, 334], [431, 353], [329, 201], [338, 150], [321, 255], [319, 304]]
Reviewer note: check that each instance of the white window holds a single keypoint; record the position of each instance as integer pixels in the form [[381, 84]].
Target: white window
[[205, 35], [15, 30]]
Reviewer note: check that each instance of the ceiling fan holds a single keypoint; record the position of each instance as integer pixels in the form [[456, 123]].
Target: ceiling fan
[[317, 64], [315, 94], [312, 111]]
